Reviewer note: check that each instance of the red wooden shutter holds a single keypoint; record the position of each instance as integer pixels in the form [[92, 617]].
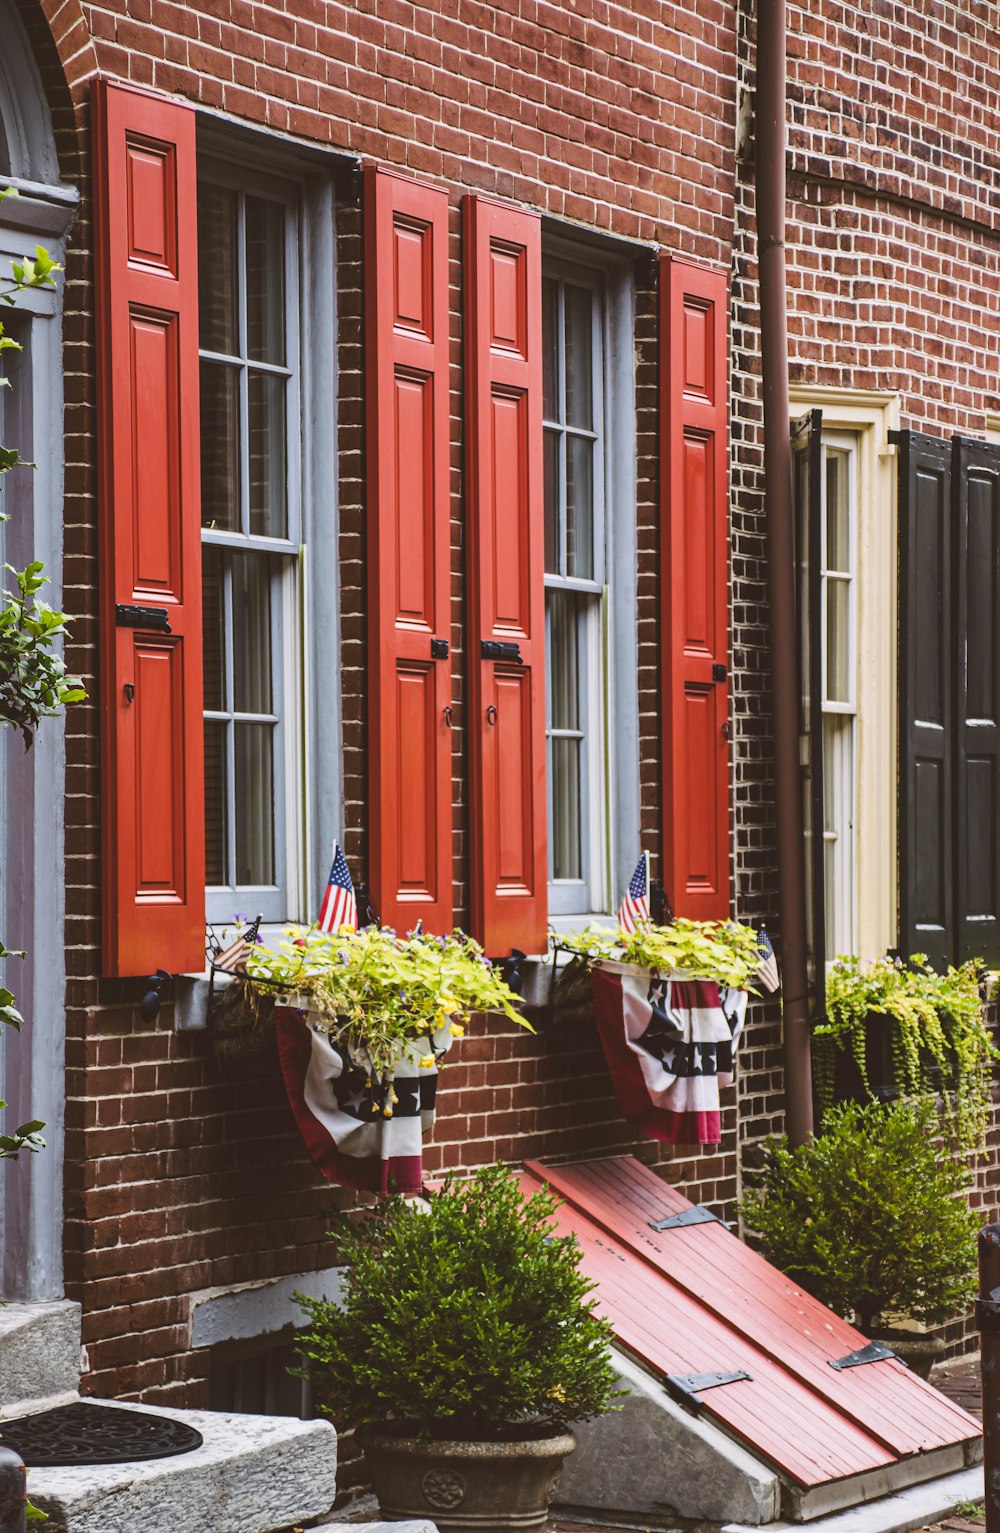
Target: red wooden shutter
[[409, 676], [693, 584], [506, 578], [151, 684]]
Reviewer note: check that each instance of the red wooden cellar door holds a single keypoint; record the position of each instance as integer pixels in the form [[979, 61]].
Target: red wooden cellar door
[[692, 1299]]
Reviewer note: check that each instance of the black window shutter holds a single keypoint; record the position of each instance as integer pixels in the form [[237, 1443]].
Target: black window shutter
[[807, 489], [976, 489], [926, 697]]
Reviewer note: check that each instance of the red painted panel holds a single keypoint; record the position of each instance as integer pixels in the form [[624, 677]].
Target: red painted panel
[[406, 321], [694, 626], [747, 1296], [150, 522], [506, 576]]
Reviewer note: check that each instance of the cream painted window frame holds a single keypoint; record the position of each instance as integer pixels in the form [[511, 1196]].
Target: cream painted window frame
[[869, 416]]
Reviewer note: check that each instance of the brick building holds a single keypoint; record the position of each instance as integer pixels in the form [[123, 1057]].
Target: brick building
[[305, 208]]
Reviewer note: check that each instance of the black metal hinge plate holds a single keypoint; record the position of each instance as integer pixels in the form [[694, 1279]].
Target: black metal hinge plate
[[687, 1217], [874, 1352], [501, 649], [686, 1387]]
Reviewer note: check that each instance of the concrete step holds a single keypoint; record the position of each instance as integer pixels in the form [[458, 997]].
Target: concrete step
[[252, 1474], [418, 1525], [917, 1506], [39, 1355]]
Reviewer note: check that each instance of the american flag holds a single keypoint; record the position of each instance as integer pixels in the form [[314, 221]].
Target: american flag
[[339, 907], [234, 957], [767, 969], [635, 906]]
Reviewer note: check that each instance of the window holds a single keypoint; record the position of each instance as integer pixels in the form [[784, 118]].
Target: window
[[838, 607], [575, 589], [250, 472]]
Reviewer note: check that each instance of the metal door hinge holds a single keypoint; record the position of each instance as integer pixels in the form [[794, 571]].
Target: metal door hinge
[[874, 1352], [687, 1216], [686, 1387]]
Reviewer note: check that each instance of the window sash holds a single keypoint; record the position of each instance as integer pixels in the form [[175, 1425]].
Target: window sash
[[273, 900], [839, 713]]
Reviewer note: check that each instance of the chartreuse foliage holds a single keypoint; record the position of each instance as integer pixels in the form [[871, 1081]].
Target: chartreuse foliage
[[470, 1322], [724, 951], [939, 1039], [870, 1216]]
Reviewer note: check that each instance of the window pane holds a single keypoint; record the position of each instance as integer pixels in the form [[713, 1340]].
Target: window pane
[[265, 226], [214, 628], [566, 859], [580, 507], [838, 548], [266, 431], [579, 356], [550, 346], [220, 459], [838, 688], [550, 461], [216, 797], [254, 804], [252, 633], [564, 662], [217, 324]]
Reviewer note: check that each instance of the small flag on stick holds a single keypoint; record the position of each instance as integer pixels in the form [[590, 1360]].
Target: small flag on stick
[[635, 906], [234, 957], [339, 907], [767, 969]]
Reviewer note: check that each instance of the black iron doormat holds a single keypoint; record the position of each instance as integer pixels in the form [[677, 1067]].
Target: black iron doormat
[[84, 1433]]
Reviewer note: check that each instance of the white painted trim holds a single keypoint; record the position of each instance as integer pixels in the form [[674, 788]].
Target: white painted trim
[[32, 886], [870, 416], [24, 111], [992, 431]]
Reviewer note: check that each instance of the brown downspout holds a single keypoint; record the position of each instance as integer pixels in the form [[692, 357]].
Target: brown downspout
[[770, 149]]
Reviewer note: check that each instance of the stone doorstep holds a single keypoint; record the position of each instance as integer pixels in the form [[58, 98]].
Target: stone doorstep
[[252, 1474], [419, 1525], [39, 1355]]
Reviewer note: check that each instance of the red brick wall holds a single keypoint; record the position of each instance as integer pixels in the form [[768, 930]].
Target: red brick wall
[[177, 1178]]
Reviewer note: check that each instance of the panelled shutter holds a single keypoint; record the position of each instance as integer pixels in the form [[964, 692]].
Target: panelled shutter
[[976, 495], [693, 585], [926, 697], [506, 577], [807, 465], [409, 672], [151, 676]]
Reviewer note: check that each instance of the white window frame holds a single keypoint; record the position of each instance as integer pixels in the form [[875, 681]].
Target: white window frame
[[313, 762], [615, 830], [277, 901], [840, 741], [868, 416], [589, 892]]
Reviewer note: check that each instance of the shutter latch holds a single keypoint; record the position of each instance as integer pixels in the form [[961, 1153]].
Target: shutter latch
[[142, 617], [501, 649]]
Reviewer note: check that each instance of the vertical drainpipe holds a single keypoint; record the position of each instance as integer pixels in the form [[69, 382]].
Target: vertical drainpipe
[[770, 189]]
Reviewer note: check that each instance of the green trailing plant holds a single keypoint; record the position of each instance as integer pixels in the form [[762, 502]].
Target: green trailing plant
[[471, 1321], [939, 1040], [724, 951], [870, 1216], [376, 991]]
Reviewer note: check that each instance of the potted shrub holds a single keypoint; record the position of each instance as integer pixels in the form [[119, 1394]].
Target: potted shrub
[[871, 1217], [463, 1348], [904, 1030]]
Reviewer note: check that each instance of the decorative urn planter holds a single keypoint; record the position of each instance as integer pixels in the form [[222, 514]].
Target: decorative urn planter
[[467, 1487]]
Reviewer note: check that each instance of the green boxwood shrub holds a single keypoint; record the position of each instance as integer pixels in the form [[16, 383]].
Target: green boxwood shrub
[[469, 1322], [870, 1216]]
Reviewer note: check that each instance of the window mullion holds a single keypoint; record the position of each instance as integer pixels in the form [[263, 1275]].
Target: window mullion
[[561, 531], [229, 701]]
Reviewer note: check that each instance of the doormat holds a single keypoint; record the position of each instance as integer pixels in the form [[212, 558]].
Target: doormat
[[86, 1433]]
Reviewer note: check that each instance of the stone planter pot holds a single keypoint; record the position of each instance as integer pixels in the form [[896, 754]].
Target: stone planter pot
[[919, 1352], [467, 1487]]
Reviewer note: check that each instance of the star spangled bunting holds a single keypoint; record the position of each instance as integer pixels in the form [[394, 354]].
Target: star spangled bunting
[[635, 906], [767, 969], [339, 906]]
